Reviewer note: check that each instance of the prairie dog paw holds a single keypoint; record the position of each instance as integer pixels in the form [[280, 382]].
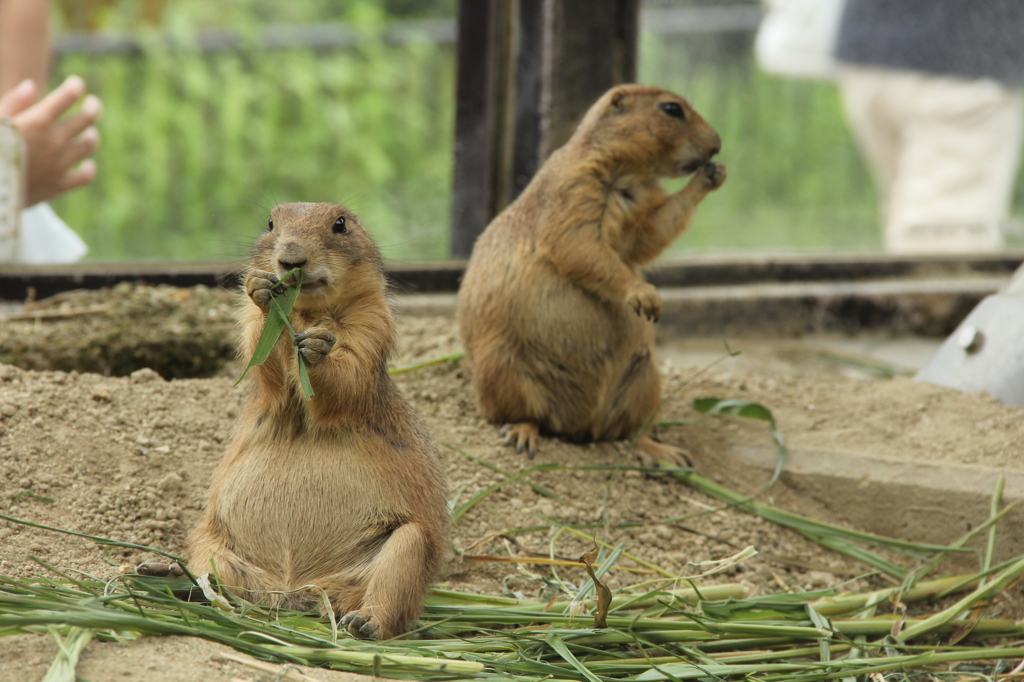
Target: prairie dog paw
[[651, 453], [258, 286], [645, 301], [362, 624], [173, 569], [314, 344], [523, 435], [713, 174]]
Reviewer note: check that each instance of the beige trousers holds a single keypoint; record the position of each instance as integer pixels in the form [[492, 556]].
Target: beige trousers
[[944, 152]]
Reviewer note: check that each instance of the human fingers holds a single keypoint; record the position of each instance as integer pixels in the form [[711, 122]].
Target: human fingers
[[69, 180], [80, 147], [62, 98], [83, 175], [18, 98], [85, 118]]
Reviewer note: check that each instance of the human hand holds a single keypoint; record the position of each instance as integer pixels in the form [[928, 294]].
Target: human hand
[[57, 151]]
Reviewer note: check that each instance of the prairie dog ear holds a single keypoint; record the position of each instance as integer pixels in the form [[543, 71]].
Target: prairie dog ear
[[613, 102], [620, 98]]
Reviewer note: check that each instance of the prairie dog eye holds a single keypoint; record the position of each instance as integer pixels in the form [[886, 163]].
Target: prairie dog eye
[[270, 225], [673, 109], [339, 226]]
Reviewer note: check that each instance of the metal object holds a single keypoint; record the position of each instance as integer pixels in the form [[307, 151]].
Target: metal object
[[970, 338], [986, 352]]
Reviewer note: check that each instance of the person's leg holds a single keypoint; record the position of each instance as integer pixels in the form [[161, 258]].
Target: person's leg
[[874, 124], [958, 160]]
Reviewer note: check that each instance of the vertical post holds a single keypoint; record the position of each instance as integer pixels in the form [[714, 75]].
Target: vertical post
[[482, 118], [527, 72], [476, 130], [591, 46], [529, 84]]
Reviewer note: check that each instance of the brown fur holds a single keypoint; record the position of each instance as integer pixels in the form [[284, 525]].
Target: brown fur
[[344, 491], [555, 316]]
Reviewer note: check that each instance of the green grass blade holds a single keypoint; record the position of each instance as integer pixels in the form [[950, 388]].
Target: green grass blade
[[32, 495], [853, 551], [472, 502], [95, 538], [836, 537], [770, 638], [735, 407], [689, 671], [556, 643], [924, 570], [981, 593], [276, 320], [307, 387], [282, 310], [272, 329], [997, 498], [841, 604], [749, 410], [70, 648]]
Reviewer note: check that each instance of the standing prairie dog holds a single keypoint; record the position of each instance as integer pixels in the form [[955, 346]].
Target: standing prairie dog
[[557, 321], [344, 492]]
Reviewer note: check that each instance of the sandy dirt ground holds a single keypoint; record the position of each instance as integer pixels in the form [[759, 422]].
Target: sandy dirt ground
[[26, 658], [129, 458]]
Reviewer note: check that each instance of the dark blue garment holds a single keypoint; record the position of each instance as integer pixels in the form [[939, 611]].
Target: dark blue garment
[[969, 38]]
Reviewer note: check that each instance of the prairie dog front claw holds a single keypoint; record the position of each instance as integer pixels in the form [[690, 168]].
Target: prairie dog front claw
[[314, 345], [645, 300], [362, 624], [259, 286], [713, 174]]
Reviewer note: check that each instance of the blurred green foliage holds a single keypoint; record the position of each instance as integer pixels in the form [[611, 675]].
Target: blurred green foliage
[[796, 180], [131, 15], [197, 147]]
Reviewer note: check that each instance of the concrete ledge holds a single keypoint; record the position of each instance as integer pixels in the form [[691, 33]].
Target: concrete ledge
[[47, 280], [932, 307], [440, 276], [705, 296], [426, 305], [920, 501]]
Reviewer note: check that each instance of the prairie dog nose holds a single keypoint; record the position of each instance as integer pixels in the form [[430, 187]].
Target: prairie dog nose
[[291, 255], [716, 146]]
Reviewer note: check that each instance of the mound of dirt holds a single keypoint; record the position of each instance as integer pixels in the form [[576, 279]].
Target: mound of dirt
[[180, 333], [177, 332]]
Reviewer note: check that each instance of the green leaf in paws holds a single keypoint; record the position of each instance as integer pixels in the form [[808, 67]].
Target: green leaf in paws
[[307, 388], [277, 321], [282, 312]]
